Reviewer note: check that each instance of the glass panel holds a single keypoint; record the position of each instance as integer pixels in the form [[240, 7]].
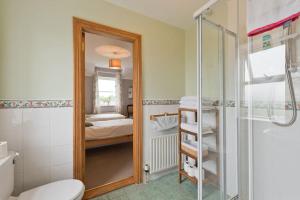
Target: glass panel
[[212, 162], [273, 169], [268, 152], [219, 111], [267, 63], [219, 127]]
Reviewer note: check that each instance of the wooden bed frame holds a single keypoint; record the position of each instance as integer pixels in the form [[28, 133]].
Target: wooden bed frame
[[108, 141]]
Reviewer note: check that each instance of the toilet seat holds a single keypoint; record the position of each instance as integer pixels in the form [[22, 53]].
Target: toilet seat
[[61, 190]]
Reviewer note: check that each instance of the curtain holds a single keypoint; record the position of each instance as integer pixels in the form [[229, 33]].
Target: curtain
[[118, 93], [96, 100]]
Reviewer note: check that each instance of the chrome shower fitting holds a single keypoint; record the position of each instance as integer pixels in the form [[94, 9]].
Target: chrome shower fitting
[[288, 68]]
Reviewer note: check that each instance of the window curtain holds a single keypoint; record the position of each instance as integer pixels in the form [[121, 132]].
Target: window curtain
[[118, 92], [96, 100]]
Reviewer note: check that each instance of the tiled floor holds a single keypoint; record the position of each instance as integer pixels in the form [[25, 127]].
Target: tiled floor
[[165, 188]]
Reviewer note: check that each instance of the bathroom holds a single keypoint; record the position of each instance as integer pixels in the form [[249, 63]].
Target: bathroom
[[213, 55]]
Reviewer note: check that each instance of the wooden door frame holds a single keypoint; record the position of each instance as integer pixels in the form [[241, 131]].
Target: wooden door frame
[[80, 27]]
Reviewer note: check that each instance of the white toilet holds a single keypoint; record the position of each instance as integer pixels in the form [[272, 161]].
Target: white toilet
[[61, 190]]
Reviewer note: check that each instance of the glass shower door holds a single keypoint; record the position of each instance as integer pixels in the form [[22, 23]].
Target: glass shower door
[[218, 80], [213, 162]]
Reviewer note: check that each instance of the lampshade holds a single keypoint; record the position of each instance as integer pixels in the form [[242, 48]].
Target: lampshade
[[111, 51], [115, 63]]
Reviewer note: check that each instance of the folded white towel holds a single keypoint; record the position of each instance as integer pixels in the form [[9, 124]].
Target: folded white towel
[[209, 120], [211, 142], [194, 145], [211, 166], [189, 106], [193, 104], [189, 127], [188, 98]]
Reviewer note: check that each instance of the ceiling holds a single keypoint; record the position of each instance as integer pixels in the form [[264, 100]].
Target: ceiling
[[178, 13], [93, 59]]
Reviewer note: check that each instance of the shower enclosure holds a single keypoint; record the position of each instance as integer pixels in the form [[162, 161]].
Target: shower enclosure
[[218, 94], [254, 84], [270, 124]]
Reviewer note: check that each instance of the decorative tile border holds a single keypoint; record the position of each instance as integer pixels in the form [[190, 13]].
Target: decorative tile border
[[236, 197], [230, 103], [161, 102], [206, 102], [6, 104]]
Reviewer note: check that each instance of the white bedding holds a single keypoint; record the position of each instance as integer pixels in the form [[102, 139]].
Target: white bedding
[[103, 117], [109, 129]]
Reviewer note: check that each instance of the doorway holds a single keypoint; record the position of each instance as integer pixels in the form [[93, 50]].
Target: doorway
[[107, 128]]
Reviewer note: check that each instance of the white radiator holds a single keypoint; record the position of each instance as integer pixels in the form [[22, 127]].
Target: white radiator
[[164, 152]]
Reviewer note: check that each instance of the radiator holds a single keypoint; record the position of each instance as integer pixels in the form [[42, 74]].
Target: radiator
[[164, 152]]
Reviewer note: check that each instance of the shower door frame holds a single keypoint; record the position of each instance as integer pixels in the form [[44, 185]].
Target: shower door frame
[[198, 16]]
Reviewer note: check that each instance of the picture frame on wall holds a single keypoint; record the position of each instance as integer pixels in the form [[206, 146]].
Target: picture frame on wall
[[130, 94]]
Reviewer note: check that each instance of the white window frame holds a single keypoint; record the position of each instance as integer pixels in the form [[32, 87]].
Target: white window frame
[[99, 91]]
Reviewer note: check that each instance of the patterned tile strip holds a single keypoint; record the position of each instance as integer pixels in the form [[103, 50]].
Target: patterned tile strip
[[160, 102], [207, 102], [5, 104], [235, 198]]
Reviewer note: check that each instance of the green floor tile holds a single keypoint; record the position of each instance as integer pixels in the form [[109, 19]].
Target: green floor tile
[[164, 188]]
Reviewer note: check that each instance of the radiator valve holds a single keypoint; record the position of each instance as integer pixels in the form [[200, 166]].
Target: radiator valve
[[147, 171]]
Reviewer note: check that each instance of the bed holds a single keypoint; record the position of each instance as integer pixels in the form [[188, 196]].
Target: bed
[[103, 117], [108, 132]]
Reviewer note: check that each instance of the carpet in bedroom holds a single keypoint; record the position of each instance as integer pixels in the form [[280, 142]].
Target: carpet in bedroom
[[108, 164]]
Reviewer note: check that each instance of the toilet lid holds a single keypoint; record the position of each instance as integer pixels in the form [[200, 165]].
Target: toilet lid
[[60, 190]]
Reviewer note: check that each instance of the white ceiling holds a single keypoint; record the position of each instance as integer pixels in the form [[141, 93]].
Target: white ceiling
[[93, 59], [178, 13]]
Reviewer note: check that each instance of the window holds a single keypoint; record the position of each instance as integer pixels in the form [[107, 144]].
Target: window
[[268, 75], [268, 62], [107, 91], [265, 80]]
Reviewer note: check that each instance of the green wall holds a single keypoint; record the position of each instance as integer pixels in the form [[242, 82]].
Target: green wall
[[223, 13], [191, 61], [36, 50], [210, 62]]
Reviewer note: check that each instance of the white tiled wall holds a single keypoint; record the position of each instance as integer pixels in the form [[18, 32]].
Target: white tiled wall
[[44, 139], [276, 160]]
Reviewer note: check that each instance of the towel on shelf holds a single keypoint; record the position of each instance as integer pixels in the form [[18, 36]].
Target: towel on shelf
[[188, 98], [211, 166], [189, 102], [211, 142], [192, 144], [193, 128], [265, 15], [209, 120], [206, 131]]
